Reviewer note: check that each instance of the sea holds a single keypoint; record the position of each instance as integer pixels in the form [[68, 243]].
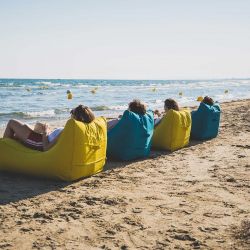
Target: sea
[[46, 100]]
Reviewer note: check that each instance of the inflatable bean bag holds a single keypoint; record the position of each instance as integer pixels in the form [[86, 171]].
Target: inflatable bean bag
[[173, 131], [131, 137], [205, 122], [80, 151]]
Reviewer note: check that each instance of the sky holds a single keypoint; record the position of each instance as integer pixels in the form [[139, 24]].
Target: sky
[[125, 39]]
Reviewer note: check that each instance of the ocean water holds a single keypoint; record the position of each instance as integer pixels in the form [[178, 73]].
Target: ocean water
[[31, 100]]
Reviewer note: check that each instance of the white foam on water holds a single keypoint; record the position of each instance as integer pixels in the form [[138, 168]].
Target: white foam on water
[[119, 107], [81, 85], [44, 82], [50, 95], [34, 114], [159, 101]]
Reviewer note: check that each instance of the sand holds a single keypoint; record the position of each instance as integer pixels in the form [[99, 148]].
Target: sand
[[194, 198]]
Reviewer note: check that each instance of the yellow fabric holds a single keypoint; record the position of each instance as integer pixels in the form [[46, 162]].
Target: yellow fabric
[[173, 131], [80, 151]]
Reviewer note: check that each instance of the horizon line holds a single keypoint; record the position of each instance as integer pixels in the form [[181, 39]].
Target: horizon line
[[128, 79]]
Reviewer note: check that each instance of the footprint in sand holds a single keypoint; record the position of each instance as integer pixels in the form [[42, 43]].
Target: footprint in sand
[[26, 229], [136, 210], [208, 229], [133, 221], [5, 245], [211, 215], [241, 156], [241, 146], [45, 216], [183, 237], [229, 179]]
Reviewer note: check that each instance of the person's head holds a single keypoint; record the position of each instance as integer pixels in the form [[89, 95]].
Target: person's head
[[39, 127], [137, 107], [83, 114], [171, 104], [208, 100]]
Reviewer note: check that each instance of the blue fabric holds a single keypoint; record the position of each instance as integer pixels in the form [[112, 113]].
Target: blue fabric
[[131, 137], [54, 134], [205, 121]]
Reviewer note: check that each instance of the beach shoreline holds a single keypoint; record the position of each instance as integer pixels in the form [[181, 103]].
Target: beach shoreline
[[193, 198], [32, 100], [56, 123]]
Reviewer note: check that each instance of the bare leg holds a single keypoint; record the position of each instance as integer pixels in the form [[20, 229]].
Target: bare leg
[[17, 130]]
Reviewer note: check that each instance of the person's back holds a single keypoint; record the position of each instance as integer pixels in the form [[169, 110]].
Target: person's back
[[173, 131], [168, 105], [205, 120], [131, 137]]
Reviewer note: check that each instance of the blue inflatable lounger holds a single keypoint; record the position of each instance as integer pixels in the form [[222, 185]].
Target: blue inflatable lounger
[[205, 121], [131, 137]]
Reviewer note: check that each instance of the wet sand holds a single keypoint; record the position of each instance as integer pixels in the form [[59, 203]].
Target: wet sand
[[194, 198]]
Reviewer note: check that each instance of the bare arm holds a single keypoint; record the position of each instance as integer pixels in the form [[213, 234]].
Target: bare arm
[[46, 144], [157, 113]]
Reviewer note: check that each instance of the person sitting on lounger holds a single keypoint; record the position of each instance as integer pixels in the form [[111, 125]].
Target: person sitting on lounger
[[135, 106], [208, 100], [168, 104], [41, 138]]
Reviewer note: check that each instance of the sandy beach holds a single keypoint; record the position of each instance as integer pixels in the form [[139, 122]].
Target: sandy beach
[[194, 198]]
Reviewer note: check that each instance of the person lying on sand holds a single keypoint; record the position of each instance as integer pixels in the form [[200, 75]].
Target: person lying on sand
[[41, 138], [135, 106], [168, 104]]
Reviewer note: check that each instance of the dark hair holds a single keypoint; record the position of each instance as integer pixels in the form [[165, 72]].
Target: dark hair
[[83, 114], [208, 100], [137, 107], [171, 104]]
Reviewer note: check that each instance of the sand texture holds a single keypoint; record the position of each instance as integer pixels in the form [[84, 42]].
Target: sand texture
[[195, 198]]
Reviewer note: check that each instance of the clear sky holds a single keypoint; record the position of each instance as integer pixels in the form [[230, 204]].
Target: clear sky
[[125, 39]]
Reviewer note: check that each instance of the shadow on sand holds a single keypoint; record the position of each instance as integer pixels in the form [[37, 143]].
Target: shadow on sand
[[16, 187]]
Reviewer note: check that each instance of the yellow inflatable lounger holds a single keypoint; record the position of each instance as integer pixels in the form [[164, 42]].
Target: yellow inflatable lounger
[[173, 132], [79, 152]]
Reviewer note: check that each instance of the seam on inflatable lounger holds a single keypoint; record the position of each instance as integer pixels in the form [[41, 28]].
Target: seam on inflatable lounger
[[187, 113], [172, 134], [73, 151]]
